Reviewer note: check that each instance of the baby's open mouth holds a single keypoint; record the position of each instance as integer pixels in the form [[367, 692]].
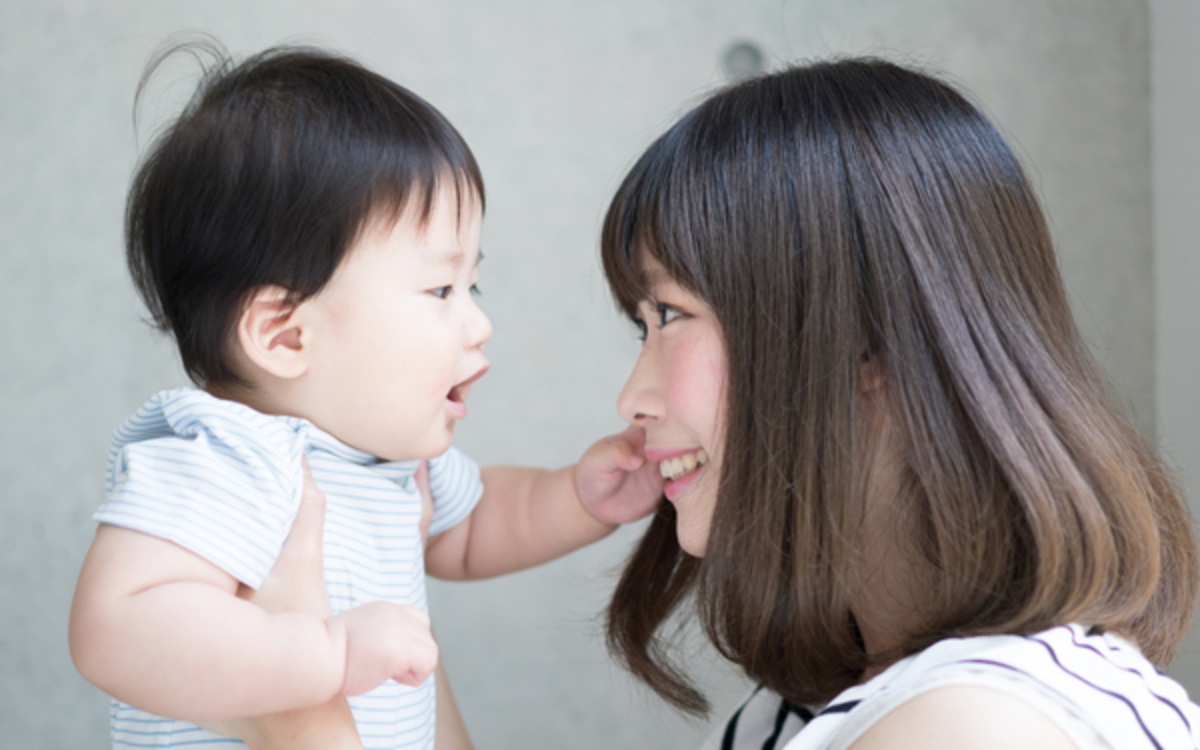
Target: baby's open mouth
[[458, 394], [674, 468]]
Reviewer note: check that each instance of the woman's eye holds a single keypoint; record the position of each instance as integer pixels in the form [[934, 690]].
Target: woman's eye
[[642, 329], [476, 291], [441, 292], [666, 314]]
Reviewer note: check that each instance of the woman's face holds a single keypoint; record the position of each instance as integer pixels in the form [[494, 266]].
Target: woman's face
[[677, 393]]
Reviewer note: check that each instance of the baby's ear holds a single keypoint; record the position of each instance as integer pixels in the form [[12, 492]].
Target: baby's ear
[[269, 333]]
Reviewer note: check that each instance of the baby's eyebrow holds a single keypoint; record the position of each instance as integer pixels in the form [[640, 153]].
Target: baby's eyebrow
[[454, 257]]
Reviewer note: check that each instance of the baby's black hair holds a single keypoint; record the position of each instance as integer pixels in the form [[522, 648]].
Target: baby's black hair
[[267, 178]]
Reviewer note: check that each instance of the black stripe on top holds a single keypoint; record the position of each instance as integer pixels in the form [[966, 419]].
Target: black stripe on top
[[839, 708], [730, 734], [786, 708], [780, 717], [1122, 698], [1094, 686], [1130, 670]]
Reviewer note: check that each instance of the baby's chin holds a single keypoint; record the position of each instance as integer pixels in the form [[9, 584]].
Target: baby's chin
[[428, 447], [424, 452]]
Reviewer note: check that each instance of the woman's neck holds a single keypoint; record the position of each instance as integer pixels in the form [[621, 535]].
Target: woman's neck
[[890, 580]]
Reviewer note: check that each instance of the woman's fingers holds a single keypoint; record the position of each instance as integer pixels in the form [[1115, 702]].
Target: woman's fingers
[[296, 582], [422, 480]]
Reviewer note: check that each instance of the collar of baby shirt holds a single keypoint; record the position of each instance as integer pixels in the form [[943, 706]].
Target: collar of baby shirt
[[279, 442], [400, 472]]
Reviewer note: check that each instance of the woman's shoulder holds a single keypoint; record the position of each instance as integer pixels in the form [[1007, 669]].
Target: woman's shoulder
[[1068, 684], [967, 717]]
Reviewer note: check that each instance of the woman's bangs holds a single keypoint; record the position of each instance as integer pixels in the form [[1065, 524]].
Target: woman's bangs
[[621, 238], [638, 226]]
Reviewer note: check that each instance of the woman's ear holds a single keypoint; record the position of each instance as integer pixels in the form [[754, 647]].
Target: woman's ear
[[870, 374], [270, 333]]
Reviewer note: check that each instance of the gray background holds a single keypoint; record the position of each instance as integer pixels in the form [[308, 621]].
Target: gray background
[[557, 98]]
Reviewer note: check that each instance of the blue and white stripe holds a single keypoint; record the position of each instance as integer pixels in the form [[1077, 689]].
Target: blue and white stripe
[[224, 481]]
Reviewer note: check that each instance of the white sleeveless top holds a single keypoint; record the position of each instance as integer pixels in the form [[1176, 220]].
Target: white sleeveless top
[[1098, 688]]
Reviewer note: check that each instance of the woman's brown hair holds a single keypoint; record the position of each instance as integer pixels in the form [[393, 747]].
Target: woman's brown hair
[[854, 209]]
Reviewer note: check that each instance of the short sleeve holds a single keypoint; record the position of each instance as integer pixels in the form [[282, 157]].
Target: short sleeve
[[218, 479], [456, 487]]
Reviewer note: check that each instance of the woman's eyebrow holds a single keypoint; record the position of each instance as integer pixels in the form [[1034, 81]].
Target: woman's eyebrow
[[654, 275]]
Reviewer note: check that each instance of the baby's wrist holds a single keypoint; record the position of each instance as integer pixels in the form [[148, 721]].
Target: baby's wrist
[[586, 501]]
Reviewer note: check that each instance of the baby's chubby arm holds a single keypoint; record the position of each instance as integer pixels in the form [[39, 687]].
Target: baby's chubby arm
[[529, 516], [160, 628]]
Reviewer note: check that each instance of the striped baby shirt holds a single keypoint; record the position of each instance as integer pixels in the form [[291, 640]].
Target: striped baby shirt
[[1096, 687], [224, 481]]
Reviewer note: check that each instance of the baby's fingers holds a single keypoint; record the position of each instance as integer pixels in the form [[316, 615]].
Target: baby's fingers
[[421, 655], [386, 641], [624, 451], [419, 617]]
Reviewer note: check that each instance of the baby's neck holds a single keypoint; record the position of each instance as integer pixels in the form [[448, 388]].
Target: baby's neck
[[260, 398]]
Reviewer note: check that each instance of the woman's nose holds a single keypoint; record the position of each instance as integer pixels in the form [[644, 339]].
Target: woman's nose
[[640, 401]]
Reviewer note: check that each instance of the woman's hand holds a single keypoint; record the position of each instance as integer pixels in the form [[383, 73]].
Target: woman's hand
[[451, 732], [296, 583]]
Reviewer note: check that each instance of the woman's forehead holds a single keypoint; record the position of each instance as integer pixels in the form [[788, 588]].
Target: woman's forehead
[[651, 270]]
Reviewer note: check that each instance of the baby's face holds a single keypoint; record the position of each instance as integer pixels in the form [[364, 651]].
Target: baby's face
[[396, 336]]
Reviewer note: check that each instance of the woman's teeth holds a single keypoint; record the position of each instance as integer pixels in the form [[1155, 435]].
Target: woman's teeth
[[674, 468]]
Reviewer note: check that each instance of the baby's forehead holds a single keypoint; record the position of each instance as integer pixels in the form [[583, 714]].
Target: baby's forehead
[[444, 232], [449, 255]]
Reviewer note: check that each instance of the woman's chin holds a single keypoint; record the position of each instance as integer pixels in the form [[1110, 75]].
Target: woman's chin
[[692, 541]]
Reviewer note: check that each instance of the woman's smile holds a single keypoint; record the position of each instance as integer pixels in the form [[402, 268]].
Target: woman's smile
[[679, 468]]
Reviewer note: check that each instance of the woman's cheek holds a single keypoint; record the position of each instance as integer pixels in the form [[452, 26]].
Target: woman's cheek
[[696, 389]]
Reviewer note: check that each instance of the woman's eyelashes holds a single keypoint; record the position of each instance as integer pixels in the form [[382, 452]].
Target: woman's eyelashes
[[666, 313], [642, 329], [662, 315]]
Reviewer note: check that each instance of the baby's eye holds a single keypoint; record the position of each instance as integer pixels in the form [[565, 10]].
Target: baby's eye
[[441, 292]]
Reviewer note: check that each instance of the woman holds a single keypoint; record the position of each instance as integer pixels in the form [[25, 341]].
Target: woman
[[852, 305]]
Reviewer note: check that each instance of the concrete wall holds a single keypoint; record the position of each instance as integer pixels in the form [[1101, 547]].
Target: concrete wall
[[557, 99], [1175, 85]]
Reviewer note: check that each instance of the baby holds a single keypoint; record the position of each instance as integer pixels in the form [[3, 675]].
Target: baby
[[309, 233]]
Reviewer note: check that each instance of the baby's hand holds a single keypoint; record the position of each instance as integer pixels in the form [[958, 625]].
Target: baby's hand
[[615, 482], [385, 641]]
